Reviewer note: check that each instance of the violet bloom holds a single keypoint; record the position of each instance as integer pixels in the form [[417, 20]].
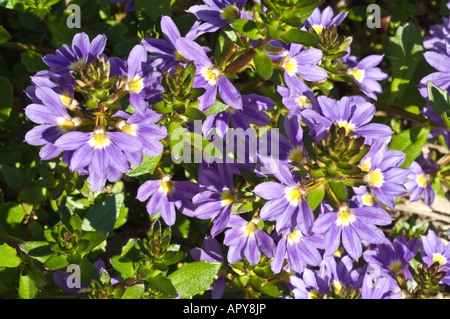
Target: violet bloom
[[310, 284], [434, 250], [383, 175], [393, 257], [418, 185], [286, 203], [341, 273], [353, 113], [441, 62], [245, 239], [276, 149], [218, 13], [363, 197], [166, 196], [209, 77], [379, 288], [211, 252], [165, 49], [252, 112], [81, 53], [434, 117], [353, 225], [297, 99], [322, 20], [301, 65], [141, 81], [217, 196], [298, 250], [54, 121], [439, 33], [366, 74], [129, 4]]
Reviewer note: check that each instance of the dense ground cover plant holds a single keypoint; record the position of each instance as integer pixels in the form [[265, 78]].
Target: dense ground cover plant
[[223, 149]]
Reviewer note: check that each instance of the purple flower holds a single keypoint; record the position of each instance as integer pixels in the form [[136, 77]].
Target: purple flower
[[393, 257], [81, 52], [310, 284], [321, 20], [418, 185], [245, 239], [434, 250], [167, 54], [341, 272], [299, 250], [218, 13], [54, 121], [353, 113], [440, 61], [363, 197], [252, 112], [167, 195], [141, 81], [383, 176], [379, 288], [353, 225], [366, 75], [217, 196], [300, 65], [209, 76], [129, 4], [297, 99], [286, 204], [212, 252]]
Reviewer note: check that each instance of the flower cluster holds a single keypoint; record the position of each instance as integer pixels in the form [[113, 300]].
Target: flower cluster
[[311, 198]]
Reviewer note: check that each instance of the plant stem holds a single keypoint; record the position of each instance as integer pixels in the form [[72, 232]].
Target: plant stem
[[26, 46], [246, 57]]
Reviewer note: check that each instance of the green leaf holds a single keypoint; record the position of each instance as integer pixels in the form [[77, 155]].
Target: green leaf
[[27, 287], [264, 65], [405, 52], [439, 99], [134, 292], [223, 46], [33, 61], [11, 215], [94, 238], [124, 266], [9, 257], [315, 197], [39, 250], [194, 278], [6, 99], [339, 190], [247, 27], [194, 113], [147, 166], [56, 261], [162, 284], [155, 8], [295, 35], [411, 143], [104, 216], [270, 290], [218, 107], [4, 35]]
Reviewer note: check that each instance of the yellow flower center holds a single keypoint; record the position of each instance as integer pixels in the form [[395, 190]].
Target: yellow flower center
[[127, 128], [314, 294], [422, 180], [296, 155], [337, 285], [295, 236], [227, 197], [136, 84], [66, 99], [358, 74], [395, 266], [179, 56], [166, 184], [66, 125], [294, 195], [211, 74], [348, 126], [251, 227], [344, 217], [318, 28], [365, 166], [439, 258], [367, 199], [290, 66], [230, 13], [303, 101], [99, 140], [375, 178]]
